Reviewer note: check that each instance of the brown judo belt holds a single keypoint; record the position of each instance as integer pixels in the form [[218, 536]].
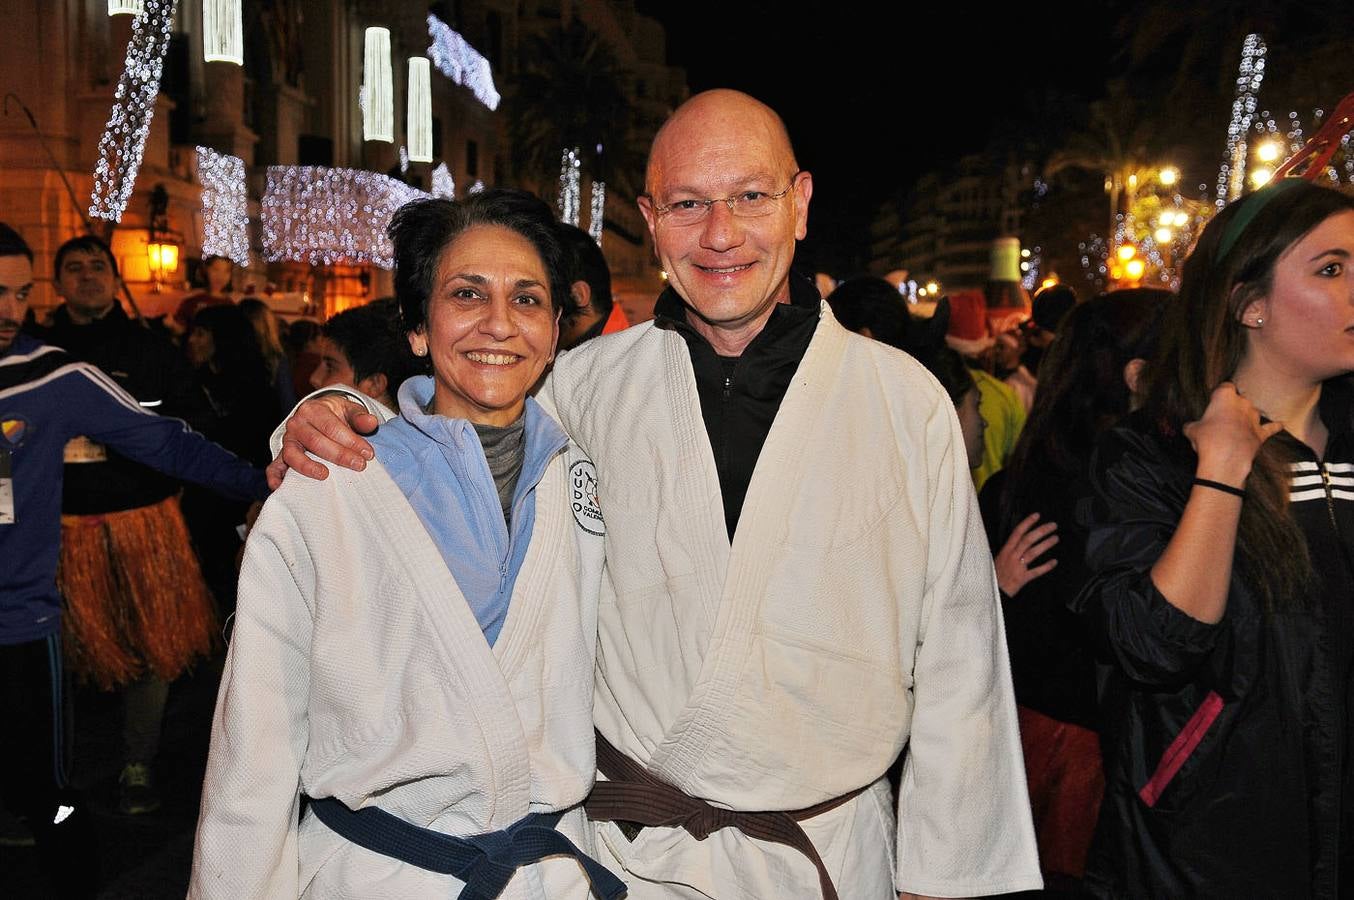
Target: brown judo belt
[[633, 794]]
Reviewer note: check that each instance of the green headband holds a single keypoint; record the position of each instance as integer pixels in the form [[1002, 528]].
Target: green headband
[[1250, 208]]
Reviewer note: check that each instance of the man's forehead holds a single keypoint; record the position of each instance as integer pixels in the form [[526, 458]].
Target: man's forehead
[[720, 133], [15, 271], [83, 255]]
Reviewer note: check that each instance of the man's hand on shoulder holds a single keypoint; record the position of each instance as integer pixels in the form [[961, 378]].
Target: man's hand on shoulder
[[329, 427]]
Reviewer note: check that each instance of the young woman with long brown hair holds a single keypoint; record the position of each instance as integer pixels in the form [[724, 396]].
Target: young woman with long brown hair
[[1221, 542]]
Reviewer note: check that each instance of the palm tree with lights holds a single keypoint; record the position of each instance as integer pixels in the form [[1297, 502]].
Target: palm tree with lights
[[568, 94]]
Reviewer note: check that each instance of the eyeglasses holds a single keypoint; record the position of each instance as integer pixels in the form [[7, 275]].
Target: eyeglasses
[[745, 205]]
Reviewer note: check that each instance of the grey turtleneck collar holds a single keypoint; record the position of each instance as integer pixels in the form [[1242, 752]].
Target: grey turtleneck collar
[[504, 449]]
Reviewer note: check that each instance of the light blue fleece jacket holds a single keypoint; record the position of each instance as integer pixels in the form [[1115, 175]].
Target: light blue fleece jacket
[[439, 465]]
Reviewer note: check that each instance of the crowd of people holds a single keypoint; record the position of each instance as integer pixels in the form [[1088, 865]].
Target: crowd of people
[[777, 595]]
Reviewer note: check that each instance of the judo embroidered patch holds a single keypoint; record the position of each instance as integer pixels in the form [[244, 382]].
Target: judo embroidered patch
[[583, 497]]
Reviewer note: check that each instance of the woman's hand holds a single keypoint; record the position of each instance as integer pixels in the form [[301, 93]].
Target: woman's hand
[[1228, 436], [1025, 545], [328, 427]]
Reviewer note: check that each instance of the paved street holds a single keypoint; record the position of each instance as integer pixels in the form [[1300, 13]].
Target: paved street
[[144, 857]]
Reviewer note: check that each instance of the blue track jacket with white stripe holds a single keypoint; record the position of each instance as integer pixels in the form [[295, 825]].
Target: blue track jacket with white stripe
[[47, 398]]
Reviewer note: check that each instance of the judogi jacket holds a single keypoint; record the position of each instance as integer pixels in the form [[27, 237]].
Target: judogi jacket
[[853, 616], [357, 671]]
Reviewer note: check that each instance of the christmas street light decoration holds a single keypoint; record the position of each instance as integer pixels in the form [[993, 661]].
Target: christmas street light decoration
[[443, 184], [124, 137], [222, 31], [225, 209], [460, 62], [597, 211], [324, 216], [569, 167], [378, 107], [420, 110], [1232, 174]]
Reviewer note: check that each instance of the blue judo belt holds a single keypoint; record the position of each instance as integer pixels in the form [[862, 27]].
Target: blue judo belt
[[485, 862]]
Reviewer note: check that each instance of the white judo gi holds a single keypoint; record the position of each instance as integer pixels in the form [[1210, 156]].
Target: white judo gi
[[855, 613], [358, 671]]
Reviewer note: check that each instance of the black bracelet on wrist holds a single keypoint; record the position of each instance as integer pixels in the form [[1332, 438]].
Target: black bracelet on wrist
[[1219, 486]]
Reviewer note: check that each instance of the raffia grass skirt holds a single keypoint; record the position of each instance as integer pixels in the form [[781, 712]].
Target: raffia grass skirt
[[136, 601]]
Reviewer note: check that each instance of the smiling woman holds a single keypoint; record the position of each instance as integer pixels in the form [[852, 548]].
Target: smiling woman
[[413, 649]]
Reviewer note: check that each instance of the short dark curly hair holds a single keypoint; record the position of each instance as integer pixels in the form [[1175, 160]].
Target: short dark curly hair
[[13, 244], [421, 230]]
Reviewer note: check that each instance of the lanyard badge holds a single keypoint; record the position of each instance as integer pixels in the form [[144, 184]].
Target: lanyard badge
[[6, 487]]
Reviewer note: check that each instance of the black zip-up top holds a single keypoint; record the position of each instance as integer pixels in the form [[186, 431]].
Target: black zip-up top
[[740, 395], [1227, 768], [147, 366]]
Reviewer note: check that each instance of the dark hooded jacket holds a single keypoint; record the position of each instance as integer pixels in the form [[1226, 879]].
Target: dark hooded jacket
[[1225, 745]]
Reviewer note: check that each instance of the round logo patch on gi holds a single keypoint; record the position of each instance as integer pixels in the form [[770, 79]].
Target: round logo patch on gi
[[12, 431], [583, 497]]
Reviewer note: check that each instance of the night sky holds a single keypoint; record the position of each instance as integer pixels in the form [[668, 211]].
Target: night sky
[[875, 96]]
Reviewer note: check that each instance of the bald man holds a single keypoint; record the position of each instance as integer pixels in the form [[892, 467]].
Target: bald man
[[798, 588]]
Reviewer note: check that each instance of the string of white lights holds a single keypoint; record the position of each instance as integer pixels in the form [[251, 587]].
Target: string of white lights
[[569, 172], [324, 216], [420, 91], [1232, 174], [222, 31], [443, 184], [378, 92], [597, 211], [225, 206], [460, 62], [124, 137]]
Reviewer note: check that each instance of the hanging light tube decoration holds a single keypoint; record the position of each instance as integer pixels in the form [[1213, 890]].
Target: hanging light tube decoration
[[126, 7], [460, 62], [124, 137], [1232, 174], [568, 186], [222, 31], [420, 91], [378, 107], [225, 209]]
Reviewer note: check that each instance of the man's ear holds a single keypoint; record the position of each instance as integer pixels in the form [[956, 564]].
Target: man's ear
[[1133, 370], [374, 385], [581, 292]]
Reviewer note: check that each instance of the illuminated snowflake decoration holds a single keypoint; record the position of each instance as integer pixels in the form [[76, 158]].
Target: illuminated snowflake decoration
[[569, 172], [597, 211], [124, 137], [461, 62], [225, 209], [325, 216], [1232, 174], [443, 184]]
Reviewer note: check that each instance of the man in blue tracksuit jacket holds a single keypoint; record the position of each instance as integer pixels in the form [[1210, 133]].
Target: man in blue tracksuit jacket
[[47, 398]]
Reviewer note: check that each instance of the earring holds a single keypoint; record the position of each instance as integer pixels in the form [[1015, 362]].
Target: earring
[[1259, 321]]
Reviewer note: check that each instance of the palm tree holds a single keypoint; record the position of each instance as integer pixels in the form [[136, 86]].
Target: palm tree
[[1120, 144], [569, 93]]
